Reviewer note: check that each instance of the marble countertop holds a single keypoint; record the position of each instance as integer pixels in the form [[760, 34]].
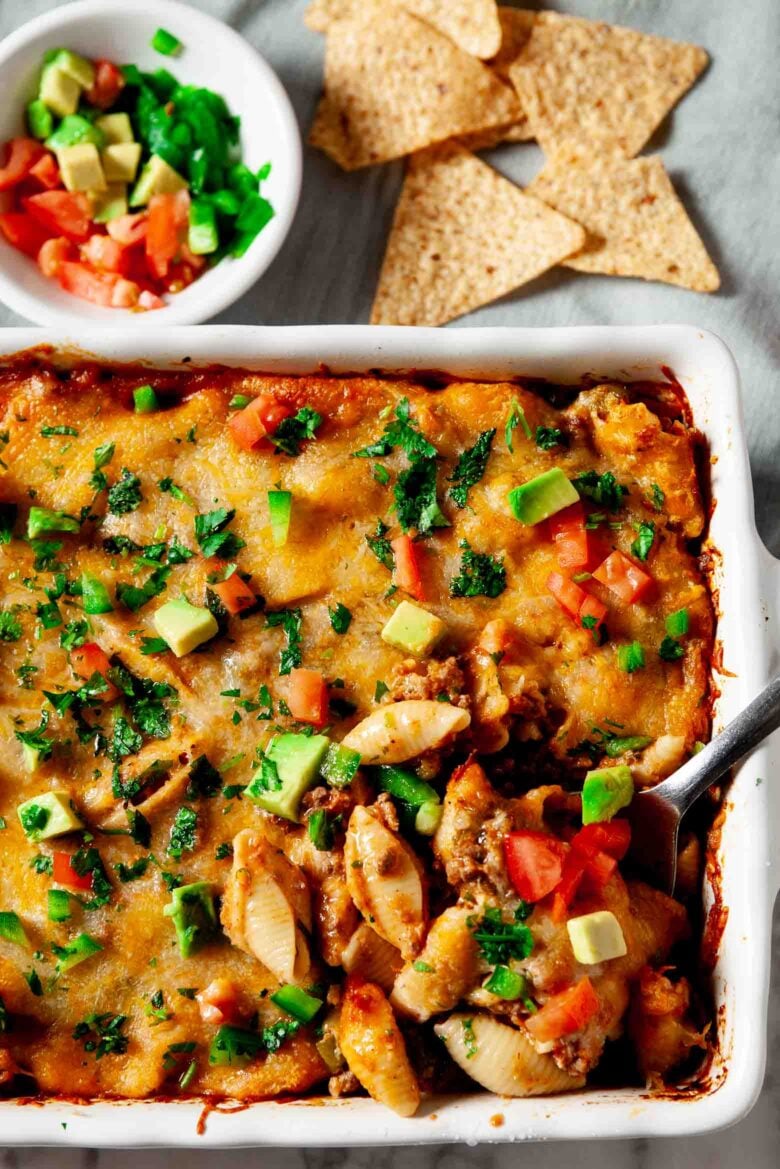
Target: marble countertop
[[721, 148]]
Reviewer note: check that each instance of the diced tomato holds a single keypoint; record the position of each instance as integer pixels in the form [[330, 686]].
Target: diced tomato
[[64, 873], [23, 232], [610, 836], [407, 574], [52, 253], [104, 253], [568, 594], [564, 1013], [592, 607], [97, 287], [235, 594], [23, 153], [108, 84], [150, 300], [308, 697], [566, 889], [534, 861], [125, 294], [162, 234], [128, 229], [624, 577], [89, 659], [65, 213], [46, 172], [219, 1002], [570, 536], [252, 425]]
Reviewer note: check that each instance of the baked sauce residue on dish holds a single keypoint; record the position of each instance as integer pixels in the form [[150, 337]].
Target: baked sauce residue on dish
[[322, 698]]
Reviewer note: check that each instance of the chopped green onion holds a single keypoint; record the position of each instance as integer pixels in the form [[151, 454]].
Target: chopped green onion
[[238, 402], [43, 519], [677, 624], [340, 765], [203, 237], [12, 929], [280, 512], [631, 657], [166, 43], [320, 830], [506, 983], [95, 595], [405, 786], [76, 952], [59, 904], [145, 400], [297, 1002]]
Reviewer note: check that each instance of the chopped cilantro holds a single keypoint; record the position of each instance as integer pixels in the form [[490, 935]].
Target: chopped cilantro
[[74, 634], [469, 1038], [45, 555], [7, 520], [644, 540], [125, 496], [101, 456], [42, 864], [340, 618], [657, 497], [102, 1034], [380, 690], [146, 700], [204, 781], [153, 645], [183, 832], [290, 621], [139, 827], [516, 418], [51, 431], [291, 432], [401, 432], [167, 486], [126, 741], [211, 534], [36, 739], [32, 979], [422, 967], [10, 626], [481, 575], [470, 467], [548, 437], [223, 851], [49, 614], [415, 496], [88, 860], [602, 489], [132, 872], [500, 941], [381, 474], [178, 553], [381, 546], [134, 597], [671, 650]]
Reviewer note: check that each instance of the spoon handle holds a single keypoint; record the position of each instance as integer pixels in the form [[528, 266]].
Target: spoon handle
[[741, 735]]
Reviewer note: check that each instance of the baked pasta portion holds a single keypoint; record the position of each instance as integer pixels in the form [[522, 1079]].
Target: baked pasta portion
[[321, 701]]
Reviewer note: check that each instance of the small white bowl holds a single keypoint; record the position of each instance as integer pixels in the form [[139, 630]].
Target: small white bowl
[[214, 56]]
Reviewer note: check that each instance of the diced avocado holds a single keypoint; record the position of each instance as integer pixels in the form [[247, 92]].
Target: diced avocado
[[413, 629], [12, 929], [76, 952], [110, 203], [605, 792], [31, 757], [73, 131], [184, 626], [58, 91], [80, 168], [120, 161], [94, 595], [428, 817], [79, 68], [596, 937], [157, 178], [58, 901], [43, 519], [340, 765], [40, 122], [289, 768], [49, 814], [194, 917], [542, 497], [116, 128], [280, 513]]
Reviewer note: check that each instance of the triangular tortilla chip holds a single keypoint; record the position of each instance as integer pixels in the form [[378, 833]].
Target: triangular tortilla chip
[[519, 131], [320, 13], [462, 236], [393, 85], [516, 25], [471, 24], [636, 225], [580, 81]]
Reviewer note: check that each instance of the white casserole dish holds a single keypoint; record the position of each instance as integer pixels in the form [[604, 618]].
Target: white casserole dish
[[748, 582]]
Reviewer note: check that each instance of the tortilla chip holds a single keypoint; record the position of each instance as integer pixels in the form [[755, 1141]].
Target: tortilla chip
[[636, 225], [580, 81], [471, 24], [462, 236], [519, 131], [394, 85], [320, 13]]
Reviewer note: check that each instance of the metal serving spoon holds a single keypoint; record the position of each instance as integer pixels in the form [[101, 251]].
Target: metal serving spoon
[[656, 812]]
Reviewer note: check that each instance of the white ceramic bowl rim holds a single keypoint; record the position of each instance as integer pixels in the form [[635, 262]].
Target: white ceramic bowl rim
[[27, 291]]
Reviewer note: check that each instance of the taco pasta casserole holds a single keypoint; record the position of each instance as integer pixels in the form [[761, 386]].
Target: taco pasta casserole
[[321, 701]]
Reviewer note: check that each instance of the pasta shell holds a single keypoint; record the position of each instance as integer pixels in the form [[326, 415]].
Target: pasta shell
[[500, 1057], [403, 730], [446, 970], [372, 957], [374, 1049], [265, 900], [384, 879]]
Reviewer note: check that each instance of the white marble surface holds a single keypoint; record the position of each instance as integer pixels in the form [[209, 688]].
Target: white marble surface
[[721, 148]]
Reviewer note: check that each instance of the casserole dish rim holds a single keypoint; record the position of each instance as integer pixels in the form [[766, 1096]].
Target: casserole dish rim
[[747, 594]]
